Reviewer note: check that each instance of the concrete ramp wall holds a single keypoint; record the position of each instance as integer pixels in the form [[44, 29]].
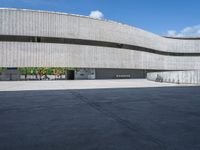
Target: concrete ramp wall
[[179, 77]]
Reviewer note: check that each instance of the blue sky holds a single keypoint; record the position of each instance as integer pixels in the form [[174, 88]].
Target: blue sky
[[173, 17]]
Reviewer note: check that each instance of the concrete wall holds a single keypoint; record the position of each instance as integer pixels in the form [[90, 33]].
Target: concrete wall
[[119, 73], [84, 74], [10, 75], [179, 77], [19, 54], [49, 24]]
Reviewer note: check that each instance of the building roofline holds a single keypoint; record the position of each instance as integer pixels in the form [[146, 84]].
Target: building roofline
[[182, 38], [68, 14], [77, 15], [104, 20]]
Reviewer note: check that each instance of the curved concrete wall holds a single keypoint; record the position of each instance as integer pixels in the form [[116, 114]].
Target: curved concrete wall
[[14, 54], [41, 23], [50, 24], [179, 77]]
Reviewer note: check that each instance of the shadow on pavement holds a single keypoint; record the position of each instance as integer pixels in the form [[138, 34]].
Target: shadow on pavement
[[101, 119]]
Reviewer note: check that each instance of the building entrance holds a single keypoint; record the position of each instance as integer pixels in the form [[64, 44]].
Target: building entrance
[[70, 74]]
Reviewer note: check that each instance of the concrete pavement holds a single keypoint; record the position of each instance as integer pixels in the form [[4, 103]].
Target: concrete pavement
[[131, 118], [79, 84]]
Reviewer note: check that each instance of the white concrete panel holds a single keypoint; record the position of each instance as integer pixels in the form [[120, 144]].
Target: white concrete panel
[[179, 77], [19, 54], [50, 24], [41, 23]]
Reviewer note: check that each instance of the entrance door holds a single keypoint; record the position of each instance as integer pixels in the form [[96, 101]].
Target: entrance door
[[70, 74]]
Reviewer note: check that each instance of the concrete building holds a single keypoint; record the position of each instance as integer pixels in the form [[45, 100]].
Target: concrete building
[[97, 49]]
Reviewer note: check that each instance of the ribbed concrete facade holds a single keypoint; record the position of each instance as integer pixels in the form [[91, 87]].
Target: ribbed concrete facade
[[15, 22], [179, 77]]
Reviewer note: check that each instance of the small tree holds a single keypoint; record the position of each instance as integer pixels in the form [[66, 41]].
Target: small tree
[[2, 69], [58, 72], [42, 72], [24, 71]]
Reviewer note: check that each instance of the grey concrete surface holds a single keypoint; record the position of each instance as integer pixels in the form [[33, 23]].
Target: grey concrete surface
[[179, 77], [79, 84], [50, 24], [151, 118]]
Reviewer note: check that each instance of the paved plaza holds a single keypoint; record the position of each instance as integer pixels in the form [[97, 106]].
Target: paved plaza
[[80, 84], [99, 115]]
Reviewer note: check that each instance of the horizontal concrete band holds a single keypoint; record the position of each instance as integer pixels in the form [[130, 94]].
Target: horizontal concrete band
[[179, 77], [51, 24], [30, 54], [39, 39]]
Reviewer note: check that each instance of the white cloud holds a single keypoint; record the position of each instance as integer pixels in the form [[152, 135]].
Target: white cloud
[[192, 31], [96, 14], [171, 33]]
